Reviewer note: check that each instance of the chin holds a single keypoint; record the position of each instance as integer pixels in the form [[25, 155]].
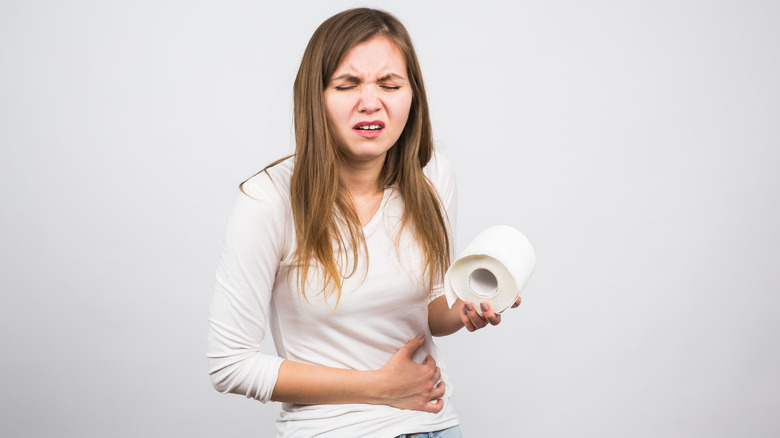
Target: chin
[[367, 153]]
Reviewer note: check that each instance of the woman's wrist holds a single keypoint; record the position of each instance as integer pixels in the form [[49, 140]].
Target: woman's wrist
[[377, 387], [444, 320]]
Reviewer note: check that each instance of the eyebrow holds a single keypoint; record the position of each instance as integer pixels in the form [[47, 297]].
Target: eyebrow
[[353, 78]]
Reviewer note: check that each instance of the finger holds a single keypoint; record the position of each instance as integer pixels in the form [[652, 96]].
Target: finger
[[434, 406], [437, 375], [438, 392], [487, 312], [413, 345], [517, 302], [464, 316], [476, 320]]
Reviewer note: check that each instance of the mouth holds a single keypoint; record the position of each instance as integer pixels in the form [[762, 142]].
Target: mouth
[[369, 129]]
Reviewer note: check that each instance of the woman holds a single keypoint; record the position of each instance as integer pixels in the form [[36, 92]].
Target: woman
[[342, 248]]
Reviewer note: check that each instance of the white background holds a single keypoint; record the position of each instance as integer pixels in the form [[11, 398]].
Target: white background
[[635, 143]]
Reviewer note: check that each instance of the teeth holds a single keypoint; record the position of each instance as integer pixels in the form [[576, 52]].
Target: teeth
[[369, 127]]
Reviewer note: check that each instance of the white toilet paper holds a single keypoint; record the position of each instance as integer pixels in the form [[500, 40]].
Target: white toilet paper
[[494, 267]]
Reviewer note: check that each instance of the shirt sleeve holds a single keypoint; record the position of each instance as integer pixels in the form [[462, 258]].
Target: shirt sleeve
[[440, 172], [240, 306]]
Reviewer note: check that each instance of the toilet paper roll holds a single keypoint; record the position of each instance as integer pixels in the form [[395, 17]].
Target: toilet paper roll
[[493, 267]]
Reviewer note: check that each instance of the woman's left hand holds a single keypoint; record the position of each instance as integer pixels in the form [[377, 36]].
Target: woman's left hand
[[474, 321]]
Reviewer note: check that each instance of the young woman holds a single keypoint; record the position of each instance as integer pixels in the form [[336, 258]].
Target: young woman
[[342, 250]]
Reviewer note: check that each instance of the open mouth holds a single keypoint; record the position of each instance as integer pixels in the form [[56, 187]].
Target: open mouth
[[369, 130], [369, 127]]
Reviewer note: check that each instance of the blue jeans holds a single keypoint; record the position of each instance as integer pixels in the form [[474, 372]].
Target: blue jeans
[[452, 432]]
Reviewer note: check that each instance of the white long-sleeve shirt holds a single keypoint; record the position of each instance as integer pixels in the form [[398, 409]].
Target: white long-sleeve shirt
[[382, 306]]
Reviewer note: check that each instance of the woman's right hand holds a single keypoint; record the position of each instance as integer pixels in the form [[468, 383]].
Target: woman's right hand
[[401, 383], [410, 385]]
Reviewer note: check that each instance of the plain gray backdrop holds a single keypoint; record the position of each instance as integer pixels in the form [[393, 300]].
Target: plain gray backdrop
[[635, 143]]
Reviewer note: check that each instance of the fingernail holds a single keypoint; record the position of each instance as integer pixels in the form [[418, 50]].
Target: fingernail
[[421, 336], [469, 307], [484, 307]]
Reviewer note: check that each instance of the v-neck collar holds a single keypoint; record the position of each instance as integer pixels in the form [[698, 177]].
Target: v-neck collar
[[379, 213]]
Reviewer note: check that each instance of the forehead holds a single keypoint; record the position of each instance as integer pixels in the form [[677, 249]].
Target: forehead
[[377, 56]]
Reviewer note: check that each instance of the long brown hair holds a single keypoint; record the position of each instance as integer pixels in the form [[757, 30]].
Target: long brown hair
[[326, 222]]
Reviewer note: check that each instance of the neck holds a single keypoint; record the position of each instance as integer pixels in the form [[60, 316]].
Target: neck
[[362, 178]]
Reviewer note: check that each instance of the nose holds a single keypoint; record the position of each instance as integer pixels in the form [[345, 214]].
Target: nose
[[369, 99]]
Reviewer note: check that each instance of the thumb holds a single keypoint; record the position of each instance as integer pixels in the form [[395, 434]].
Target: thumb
[[413, 345]]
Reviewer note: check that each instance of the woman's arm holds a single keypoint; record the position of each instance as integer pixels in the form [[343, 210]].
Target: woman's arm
[[251, 253], [402, 383], [444, 320]]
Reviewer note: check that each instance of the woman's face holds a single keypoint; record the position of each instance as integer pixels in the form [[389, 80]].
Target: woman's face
[[368, 100]]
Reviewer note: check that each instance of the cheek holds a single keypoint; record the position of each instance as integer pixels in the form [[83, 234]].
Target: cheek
[[402, 106], [407, 107], [337, 108], [332, 119]]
